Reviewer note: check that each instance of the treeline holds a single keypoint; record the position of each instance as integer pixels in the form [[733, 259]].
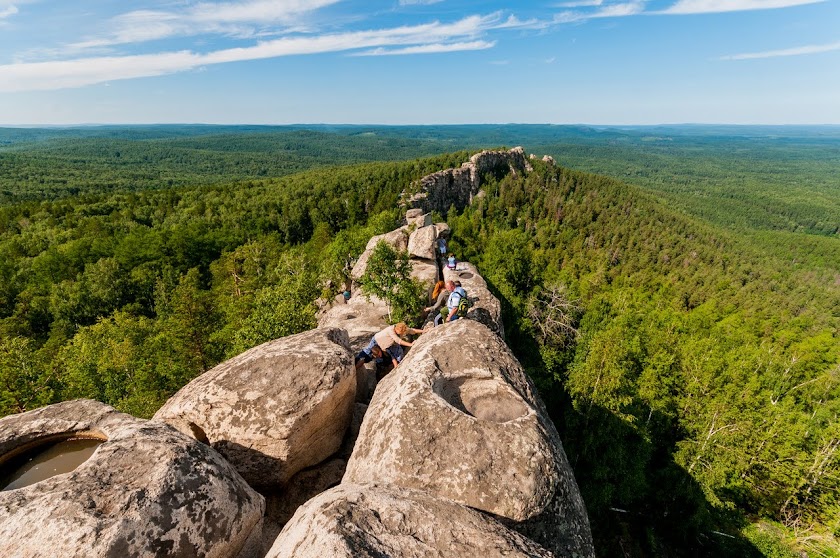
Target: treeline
[[33, 167], [693, 374], [124, 298]]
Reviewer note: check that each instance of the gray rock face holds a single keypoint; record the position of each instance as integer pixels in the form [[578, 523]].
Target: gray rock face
[[441, 190], [146, 491], [421, 243], [356, 521], [486, 308], [459, 419], [275, 409]]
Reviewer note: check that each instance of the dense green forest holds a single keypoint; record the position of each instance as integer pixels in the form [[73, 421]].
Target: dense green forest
[[679, 318]]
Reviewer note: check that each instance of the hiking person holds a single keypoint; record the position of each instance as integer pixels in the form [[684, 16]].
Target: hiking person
[[391, 342], [369, 353], [442, 248], [451, 262], [440, 294], [457, 304]]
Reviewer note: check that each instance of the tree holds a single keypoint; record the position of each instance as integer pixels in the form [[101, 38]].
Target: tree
[[388, 276], [555, 315]]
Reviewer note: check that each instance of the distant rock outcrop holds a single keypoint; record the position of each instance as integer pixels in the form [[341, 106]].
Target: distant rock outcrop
[[147, 490], [275, 409], [456, 187], [352, 521]]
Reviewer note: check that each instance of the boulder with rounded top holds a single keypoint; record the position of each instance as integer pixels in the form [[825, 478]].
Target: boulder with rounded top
[[459, 419], [275, 409], [356, 521], [421, 243], [146, 490]]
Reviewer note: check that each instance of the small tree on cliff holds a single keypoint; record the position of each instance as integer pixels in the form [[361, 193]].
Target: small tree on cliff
[[388, 276]]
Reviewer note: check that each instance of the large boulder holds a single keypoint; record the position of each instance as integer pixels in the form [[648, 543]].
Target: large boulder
[[421, 243], [443, 230], [417, 218], [398, 239], [485, 306], [275, 409], [425, 271], [147, 490], [459, 419], [371, 521], [361, 317], [305, 485]]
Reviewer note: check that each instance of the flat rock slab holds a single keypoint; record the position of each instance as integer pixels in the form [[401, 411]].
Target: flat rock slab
[[460, 420], [353, 521], [486, 307], [147, 490], [275, 409]]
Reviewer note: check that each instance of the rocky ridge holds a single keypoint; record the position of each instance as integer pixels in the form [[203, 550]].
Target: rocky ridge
[[454, 455]]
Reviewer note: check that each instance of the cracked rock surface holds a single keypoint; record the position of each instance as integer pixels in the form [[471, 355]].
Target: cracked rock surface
[[147, 490]]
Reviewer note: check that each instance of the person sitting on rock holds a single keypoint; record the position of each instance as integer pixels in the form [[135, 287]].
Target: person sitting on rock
[[454, 301], [391, 342], [369, 353], [451, 262], [440, 294]]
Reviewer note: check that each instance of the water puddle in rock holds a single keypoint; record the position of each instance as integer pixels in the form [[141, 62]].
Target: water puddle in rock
[[45, 461]]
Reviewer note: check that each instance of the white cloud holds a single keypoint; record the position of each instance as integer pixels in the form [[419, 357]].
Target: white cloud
[[716, 6], [7, 10], [227, 18], [431, 37], [418, 2], [610, 10], [796, 51], [429, 49], [578, 4]]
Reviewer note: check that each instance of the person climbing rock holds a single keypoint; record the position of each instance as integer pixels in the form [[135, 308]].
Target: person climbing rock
[[440, 295], [369, 353], [458, 303], [391, 342]]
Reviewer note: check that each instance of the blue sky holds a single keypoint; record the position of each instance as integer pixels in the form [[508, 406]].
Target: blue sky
[[420, 61]]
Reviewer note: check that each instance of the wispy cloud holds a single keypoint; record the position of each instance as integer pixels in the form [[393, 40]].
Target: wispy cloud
[[432, 37], [621, 9], [717, 6], [578, 4], [238, 19], [7, 10], [416, 2], [429, 49], [795, 51]]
